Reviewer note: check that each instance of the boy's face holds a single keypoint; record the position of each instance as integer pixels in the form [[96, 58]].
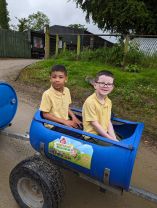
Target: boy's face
[[58, 80], [104, 85]]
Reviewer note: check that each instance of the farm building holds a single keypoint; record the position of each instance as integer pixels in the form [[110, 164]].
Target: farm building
[[38, 44], [32, 43], [88, 40]]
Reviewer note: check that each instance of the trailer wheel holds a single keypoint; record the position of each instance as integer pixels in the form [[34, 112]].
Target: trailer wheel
[[37, 184]]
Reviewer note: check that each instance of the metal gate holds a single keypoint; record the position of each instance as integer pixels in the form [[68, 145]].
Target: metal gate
[[15, 44]]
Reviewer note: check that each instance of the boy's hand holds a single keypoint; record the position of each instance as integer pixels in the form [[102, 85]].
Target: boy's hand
[[115, 139], [70, 123], [77, 122]]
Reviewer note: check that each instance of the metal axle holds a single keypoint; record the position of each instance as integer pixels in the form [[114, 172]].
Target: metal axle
[[24, 137], [143, 193]]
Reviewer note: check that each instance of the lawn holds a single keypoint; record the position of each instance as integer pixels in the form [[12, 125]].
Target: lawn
[[134, 97]]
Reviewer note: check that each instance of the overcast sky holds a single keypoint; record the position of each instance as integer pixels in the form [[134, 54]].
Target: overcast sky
[[60, 12]]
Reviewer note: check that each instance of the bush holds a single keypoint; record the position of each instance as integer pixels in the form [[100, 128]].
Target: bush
[[133, 68], [134, 56], [114, 56]]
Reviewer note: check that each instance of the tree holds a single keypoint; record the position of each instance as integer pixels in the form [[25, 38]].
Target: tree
[[124, 17], [23, 25], [4, 15], [35, 21], [152, 7], [78, 26], [38, 21]]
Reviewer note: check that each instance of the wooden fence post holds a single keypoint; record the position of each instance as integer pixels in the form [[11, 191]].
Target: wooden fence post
[[78, 45], [47, 41], [64, 47], [126, 47], [57, 43]]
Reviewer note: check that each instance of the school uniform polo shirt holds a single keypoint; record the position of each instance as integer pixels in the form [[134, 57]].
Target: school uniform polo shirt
[[56, 103], [93, 110]]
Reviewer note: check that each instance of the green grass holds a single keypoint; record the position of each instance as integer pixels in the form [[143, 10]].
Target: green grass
[[134, 96]]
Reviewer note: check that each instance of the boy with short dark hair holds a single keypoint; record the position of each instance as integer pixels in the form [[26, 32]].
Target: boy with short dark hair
[[97, 107], [56, 100]]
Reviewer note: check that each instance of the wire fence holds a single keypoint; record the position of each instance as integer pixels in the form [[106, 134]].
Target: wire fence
[[146, 44], [142, 43], [111, 49], [53, 40]]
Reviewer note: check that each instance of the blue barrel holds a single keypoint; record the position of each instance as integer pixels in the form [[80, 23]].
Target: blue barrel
[[8, 104], [116, 159]]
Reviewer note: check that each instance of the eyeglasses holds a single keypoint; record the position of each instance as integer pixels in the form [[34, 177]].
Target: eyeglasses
[[103, 84]]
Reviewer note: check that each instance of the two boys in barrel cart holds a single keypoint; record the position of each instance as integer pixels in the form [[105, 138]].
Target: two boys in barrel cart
[[96, 111]]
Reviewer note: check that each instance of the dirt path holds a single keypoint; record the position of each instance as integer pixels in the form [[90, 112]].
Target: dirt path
[[80, 193], [10, 68]]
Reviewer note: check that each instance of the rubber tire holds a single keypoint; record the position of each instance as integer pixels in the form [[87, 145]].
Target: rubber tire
[[48, 177]]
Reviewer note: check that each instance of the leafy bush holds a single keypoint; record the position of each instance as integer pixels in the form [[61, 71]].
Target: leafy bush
[[133, 68], [68, 55], [114, 56], [134, 56]]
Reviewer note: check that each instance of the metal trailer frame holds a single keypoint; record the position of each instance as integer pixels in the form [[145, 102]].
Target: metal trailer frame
[[103, 186]]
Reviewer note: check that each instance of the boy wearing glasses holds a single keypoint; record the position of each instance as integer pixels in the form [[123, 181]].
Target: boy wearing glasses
[[97, 107]]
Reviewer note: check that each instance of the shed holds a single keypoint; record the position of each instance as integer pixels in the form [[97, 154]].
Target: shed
[[88, 40]]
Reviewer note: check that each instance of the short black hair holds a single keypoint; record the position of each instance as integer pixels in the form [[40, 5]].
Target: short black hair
[[103, 72], [60, 68]]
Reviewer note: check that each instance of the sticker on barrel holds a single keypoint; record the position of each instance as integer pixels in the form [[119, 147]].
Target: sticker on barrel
[[72, 150]]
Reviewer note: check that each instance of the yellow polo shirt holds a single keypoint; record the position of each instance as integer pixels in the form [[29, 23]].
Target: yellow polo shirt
[[56, 103], [93, 110]]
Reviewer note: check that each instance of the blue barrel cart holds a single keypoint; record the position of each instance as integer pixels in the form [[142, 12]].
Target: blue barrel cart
[[8, 104], [37, 182], [109, 164]]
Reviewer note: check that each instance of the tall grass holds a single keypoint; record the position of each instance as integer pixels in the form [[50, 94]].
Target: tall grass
[[114, 56]]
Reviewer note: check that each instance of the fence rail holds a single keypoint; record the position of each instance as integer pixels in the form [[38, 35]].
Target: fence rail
[[18, 44], [143, 43], [116, 50]]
